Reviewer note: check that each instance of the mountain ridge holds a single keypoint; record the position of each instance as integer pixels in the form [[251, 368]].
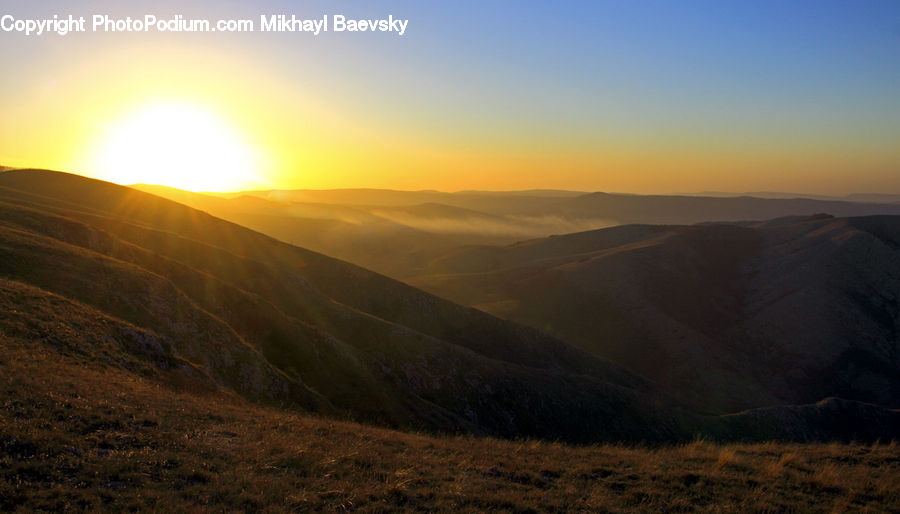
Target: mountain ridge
[[392, 233], [330, 337], [370, 322], [786, 308]]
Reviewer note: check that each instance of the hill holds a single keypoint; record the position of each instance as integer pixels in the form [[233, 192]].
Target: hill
[[398, 232], [286, 326], [156, 358], [726, 316], [81, 430], [383, 238], [202, 302]]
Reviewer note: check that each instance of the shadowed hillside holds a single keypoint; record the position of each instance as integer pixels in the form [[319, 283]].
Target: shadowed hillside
[[284, 325], [727, 316], [213, 306], [87, 424]]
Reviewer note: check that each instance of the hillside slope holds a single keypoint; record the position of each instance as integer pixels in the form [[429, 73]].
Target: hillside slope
[[283, 325], [727, 316], [85, 426], [188, 300]]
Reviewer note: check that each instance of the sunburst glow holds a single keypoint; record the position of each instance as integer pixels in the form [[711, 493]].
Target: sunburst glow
[[178, 145]]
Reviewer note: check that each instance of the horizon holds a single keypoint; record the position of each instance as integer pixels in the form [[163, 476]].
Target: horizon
[[799, 194]]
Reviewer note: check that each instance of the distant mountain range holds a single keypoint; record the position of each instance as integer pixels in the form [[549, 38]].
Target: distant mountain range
[[162, 290], [855, 197], [394, 232]]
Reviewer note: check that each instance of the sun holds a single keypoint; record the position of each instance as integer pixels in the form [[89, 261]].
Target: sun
[[179, 145]]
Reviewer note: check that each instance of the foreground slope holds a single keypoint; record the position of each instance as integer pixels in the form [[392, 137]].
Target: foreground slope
[[286, 326], [728, 316], [88, 426]]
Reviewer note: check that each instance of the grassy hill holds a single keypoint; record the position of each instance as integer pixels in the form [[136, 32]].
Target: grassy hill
[[94, 415], [153, 357], [283, 325], [727, 316]]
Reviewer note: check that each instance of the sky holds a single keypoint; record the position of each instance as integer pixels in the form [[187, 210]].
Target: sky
[[642, 97]]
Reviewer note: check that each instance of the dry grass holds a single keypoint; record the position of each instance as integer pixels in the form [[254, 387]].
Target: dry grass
[[89, 436]]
